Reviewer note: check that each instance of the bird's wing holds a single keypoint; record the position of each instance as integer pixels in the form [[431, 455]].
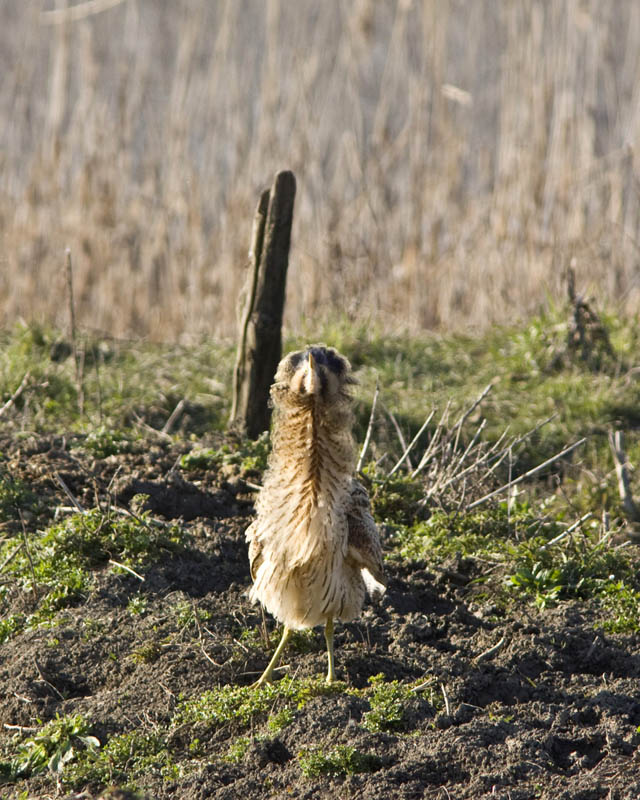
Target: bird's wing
[[255, 549], [363, 537]]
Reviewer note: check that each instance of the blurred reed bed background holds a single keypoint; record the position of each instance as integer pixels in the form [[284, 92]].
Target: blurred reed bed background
[[452, 157]]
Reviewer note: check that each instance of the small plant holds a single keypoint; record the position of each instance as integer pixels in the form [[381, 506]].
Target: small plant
[[104, 442], [238, 749], [147, 653], [389, 703], [248, 455], [341, 760], [53, 747], [544, 583], [14, 494], [9, 626], [55, 566], [623, 603], [397, 500], [200, 459], [137, 605], [280, 720], [187, 614], [124, 757]]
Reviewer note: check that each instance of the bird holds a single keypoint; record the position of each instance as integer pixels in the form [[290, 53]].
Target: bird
[[314, 547]]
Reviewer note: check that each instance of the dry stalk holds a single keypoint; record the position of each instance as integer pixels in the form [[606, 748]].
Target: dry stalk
[[400, 436], [405, 455], [69, 494], [78, 349], [367, 438], [173, 417], [59, 16], [529, 474], [492, 651], [15, 395], [616, 442], [577, 524]]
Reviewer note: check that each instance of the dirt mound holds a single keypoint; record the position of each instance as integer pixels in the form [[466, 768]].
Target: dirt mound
[[538, 704]]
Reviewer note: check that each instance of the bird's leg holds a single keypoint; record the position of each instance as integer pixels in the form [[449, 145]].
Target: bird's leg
[[267, 675], [328, 635]]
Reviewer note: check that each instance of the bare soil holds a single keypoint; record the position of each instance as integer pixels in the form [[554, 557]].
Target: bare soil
[[552, 713]]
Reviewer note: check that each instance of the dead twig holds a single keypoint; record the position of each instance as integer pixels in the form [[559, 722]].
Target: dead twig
[[168, 425], [140, 423], [45, 681], [492, 651], [89, 8], [616, 442], [405, 455], [447, 707], [127, 569], [69, 494], [20, 728], [367, 438], [11, 556], [528, 474], [398, 431], [568, 531], [16, 394]]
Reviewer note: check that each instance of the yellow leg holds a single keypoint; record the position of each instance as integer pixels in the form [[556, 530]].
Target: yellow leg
[[267, 675], [328, 635]]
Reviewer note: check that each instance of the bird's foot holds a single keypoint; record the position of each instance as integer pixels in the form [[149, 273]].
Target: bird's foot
[[267, 675]]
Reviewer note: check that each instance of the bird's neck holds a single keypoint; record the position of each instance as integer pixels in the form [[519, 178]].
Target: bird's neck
[[313, 451]]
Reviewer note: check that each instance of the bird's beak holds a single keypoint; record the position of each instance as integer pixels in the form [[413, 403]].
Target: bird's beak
[[312, 382]]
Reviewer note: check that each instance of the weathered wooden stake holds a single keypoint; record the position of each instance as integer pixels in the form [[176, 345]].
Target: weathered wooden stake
[[260, 344]]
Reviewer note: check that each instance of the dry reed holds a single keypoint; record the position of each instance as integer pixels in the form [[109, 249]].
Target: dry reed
[[451, 157]]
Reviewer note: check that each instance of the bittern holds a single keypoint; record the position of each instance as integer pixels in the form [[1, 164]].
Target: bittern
[[314, 547]]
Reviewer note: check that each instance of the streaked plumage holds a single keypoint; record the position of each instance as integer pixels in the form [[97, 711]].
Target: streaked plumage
[[314, 547]]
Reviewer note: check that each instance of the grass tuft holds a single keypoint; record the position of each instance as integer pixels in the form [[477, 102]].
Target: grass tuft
[[337, 762]]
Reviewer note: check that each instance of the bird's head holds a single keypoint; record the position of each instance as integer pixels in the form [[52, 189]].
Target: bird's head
[[317, 372]]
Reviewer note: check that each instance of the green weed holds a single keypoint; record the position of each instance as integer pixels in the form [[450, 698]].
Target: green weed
[[137, 605], [14, 495], [123, 759], [246, 454], [396, 500], [56, 745], [341, 760], [247, 705], [200, 459], [147, 653], [623, 604], [238, 749], [104, 442], [389, 703], [536, 561]]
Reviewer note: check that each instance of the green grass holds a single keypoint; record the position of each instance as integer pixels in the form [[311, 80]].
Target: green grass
[[121, 382], [14, 495], [123, 760], [535, 560], [54, 567]]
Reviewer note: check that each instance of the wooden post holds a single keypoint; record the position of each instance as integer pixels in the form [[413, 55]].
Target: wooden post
[[260, 345]]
